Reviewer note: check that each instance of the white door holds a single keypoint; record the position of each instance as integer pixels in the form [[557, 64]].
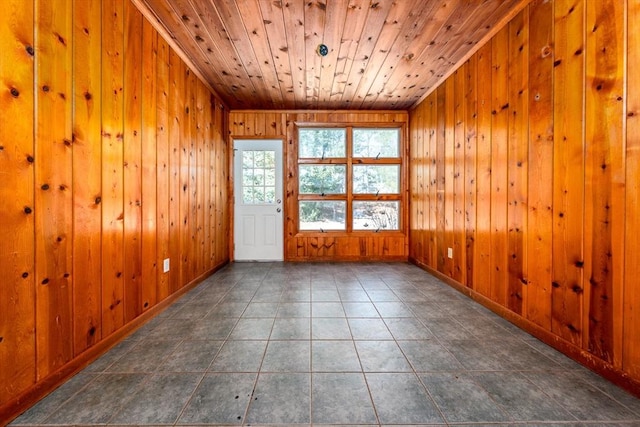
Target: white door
[[258, 216]]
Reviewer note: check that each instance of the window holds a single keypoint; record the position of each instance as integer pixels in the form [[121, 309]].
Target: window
[[258, 177], [349, 179]]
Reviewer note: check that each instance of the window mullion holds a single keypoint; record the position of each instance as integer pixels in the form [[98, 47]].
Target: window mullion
[[349, 211]]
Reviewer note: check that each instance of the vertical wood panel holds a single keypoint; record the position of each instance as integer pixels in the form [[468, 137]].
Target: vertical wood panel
[[132, 163], [631, 339], [518, 153], [440, 176], [470, 171], [568, 171], [192, 209], [499, 162], [149, 167], [431, 128], [483, 223], [459, 253], [185, 189], [87, 172], [450, 195], [540, 187], [112, 169], [605, 198], [163, 167], [200, 170], [176, 99], [17, 305], [53, 179]]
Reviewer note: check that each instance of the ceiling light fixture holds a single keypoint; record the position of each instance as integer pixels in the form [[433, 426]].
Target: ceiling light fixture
[[322, 50]]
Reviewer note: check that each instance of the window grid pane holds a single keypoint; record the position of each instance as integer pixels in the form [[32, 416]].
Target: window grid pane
[[376, 179], [322, 143], [376, 143], [322, 215], [258, 177], [376, 215], [322, 179]]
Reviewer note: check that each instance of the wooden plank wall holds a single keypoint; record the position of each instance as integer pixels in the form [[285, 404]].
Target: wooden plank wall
[[322, 246], [547, 172], [94, 108]]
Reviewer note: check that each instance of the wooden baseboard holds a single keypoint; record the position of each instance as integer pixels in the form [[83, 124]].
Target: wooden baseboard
[[16, 406], [572, 351]]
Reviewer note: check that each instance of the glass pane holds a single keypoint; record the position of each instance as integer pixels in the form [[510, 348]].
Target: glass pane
[[269, 195], [322, 179], [258, 177], [376, 179], [247, 195], [269, 177], [326, 215], [258, 159], [247, 159], [376, 215], [376, 142], [322, 143]]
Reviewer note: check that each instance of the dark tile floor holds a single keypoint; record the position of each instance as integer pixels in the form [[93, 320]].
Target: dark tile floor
[[358, 344]]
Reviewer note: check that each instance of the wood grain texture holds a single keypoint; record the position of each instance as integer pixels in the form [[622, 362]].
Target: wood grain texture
[[85, 196], [132, 166], [541, 142], [570, 157], [483, 222], [112, 170], [518, 159], [162, 168], [499, 161], [568, 171], [53, 188], [604, 189], [149, 167], [17, 250], [631, 338], [87, 163]]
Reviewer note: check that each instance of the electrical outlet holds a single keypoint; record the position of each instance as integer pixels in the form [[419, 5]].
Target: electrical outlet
[[450, 253], [166, 265]]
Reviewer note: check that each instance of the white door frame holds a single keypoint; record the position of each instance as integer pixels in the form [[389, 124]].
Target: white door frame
[[238, 206]]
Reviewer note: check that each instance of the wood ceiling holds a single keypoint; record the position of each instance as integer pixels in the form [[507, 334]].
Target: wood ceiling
[[383, 54]]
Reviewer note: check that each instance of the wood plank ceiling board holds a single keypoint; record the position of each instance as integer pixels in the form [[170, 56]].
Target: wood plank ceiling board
[[382, 54]]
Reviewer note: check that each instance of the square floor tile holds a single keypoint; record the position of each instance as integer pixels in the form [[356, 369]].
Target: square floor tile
[[382, 295], [330, 329], [352, 295], [191, 356], [393, 309], [98, 403], [325, 295], [159, 401], [520, 398], [147, 356], [461, 399], [381, 356], [291, 329], [334, 356], [287, 356], [327, 309], [360, 309], [408, 328], [585, 401], [252, 329], [401, 399], [281, 399], [369, 329], [220, 399], [341, 398], [294, 309], [228, 309], [239, 356], [429, 355], [211, 328], [261, 309]]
